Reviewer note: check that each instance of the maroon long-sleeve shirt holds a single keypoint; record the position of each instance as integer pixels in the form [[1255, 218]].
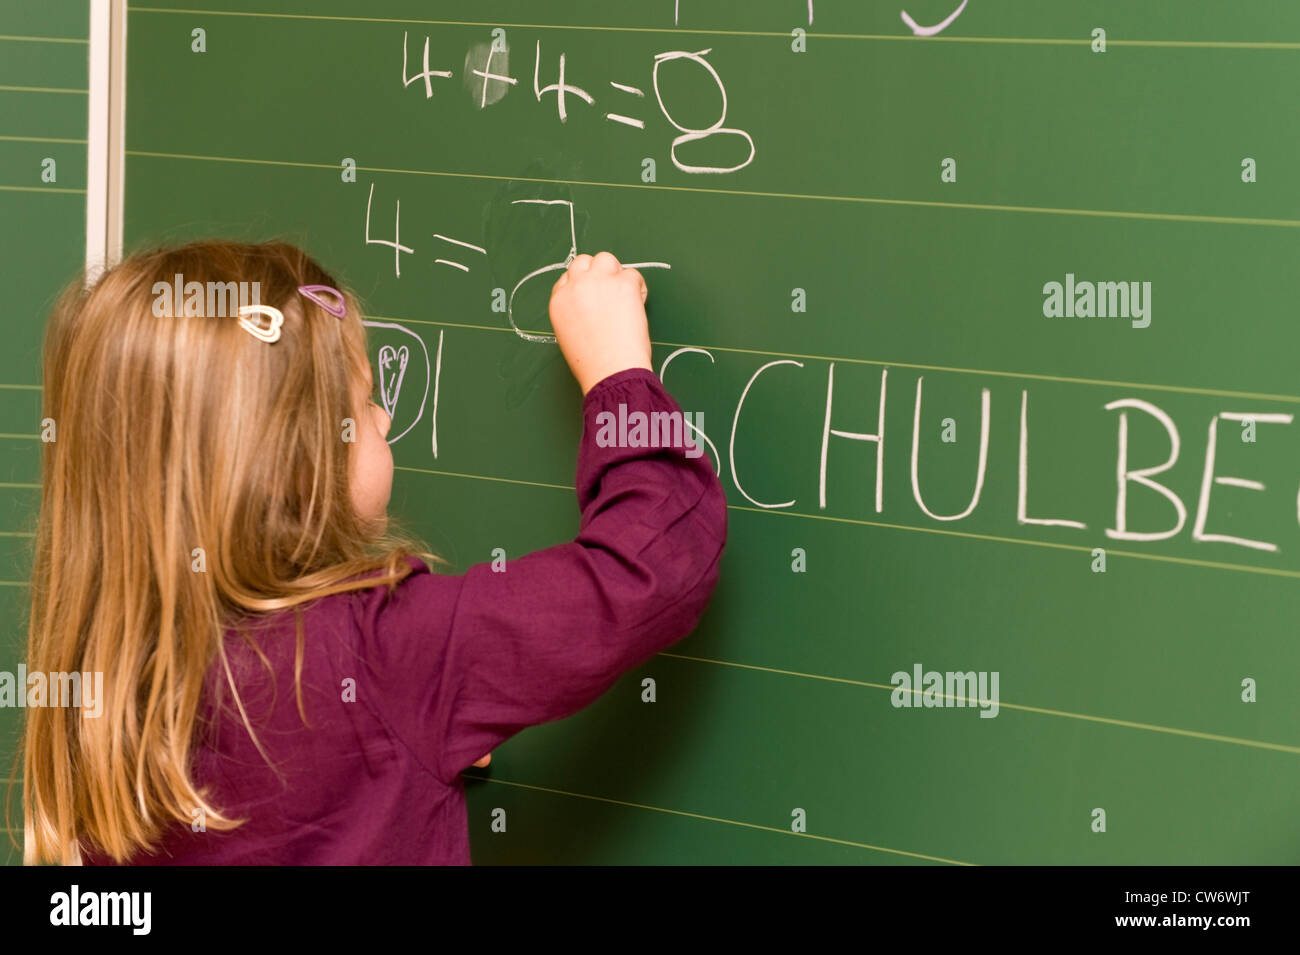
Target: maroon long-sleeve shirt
[[404, 690]]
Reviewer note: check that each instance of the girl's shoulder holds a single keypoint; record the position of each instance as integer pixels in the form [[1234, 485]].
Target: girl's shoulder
[[379, 623], [421, 603], [419, 582]]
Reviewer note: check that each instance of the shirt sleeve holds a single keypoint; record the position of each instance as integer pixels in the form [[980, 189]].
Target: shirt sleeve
[[554, 630]]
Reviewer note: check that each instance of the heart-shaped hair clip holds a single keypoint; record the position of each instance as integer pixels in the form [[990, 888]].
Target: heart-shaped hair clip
[[335, 308], [269, 334]]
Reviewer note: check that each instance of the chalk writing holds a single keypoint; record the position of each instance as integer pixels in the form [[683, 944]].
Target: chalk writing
[[691, 135], [566, 93], [556, 267], [938, 27], [396, 242], [567, 204], [390, 377], [427, 75]]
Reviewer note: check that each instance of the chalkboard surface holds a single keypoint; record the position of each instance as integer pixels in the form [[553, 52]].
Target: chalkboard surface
[[909, 282], [43, 116]]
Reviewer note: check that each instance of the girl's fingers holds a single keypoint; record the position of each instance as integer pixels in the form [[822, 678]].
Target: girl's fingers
[[606, 261], [601, 261], [638, 279]]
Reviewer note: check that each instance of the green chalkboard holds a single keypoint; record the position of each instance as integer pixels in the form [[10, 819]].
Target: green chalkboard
[[893, 236], [43, 104]]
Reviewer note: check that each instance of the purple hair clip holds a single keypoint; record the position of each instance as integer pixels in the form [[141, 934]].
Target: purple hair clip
[[335, 308]]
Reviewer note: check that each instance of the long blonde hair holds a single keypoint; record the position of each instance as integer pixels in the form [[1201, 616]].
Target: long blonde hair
[[174, 434]]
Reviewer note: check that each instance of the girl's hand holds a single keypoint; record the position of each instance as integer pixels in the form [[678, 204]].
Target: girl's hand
[[484, 761], [598, 313]]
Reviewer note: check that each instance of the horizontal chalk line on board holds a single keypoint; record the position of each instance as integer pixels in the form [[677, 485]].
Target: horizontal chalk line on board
[[17, 387], [752, 193], [52, 189], [1102, 382], [1110, 721], [40, 139], [42, 39], [942, 531], [1079, 548], [692, 815], [40, 89], [785, 35], [729, 822], [481, 477]]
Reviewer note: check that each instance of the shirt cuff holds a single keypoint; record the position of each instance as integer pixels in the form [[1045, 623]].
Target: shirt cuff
[[627, 374]]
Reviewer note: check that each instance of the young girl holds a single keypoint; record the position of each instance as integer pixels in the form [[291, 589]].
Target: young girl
[[285, 682]]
